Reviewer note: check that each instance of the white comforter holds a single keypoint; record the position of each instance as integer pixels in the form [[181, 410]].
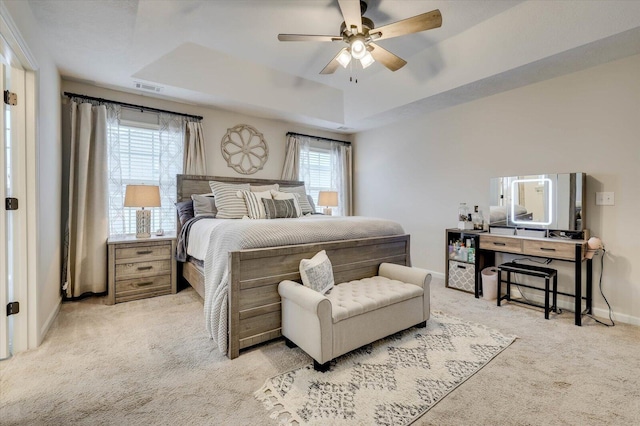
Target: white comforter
[[232, 235]]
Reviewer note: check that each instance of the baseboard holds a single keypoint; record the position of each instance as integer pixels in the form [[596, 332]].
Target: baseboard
[[49, 322], [617, 317], [436, 275], [567, 305]]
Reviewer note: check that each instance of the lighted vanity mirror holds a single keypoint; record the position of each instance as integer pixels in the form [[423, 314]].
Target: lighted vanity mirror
[[549, 201]]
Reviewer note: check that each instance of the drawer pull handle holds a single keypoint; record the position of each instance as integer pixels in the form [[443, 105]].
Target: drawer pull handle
[[145, 283], [144, 252], [462, 267], [547, 249], [499, 244], [144, 268]]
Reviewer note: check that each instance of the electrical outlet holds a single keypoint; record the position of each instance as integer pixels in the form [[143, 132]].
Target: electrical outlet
[[605, 199]]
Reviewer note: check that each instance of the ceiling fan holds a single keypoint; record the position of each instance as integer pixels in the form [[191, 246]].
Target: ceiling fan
[[359, 33]]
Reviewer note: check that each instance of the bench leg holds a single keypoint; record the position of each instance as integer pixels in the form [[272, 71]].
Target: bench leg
[[546, 298], [289, 343], [499, 286], [323, 368], [555, 293]]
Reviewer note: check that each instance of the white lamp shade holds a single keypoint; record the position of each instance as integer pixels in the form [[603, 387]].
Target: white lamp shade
[[142, 196], [328, 198]]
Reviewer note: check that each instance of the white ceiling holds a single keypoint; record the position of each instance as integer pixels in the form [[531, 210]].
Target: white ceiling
[[225, 53]]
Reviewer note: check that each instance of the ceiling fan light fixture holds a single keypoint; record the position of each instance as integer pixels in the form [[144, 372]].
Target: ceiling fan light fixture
[[344, 58], [358, 48], [367, 60]]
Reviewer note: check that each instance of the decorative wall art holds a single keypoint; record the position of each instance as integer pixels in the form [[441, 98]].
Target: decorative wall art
[[244, 149]]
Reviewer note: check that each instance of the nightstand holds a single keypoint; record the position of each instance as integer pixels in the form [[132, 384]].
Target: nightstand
[[140, 267]]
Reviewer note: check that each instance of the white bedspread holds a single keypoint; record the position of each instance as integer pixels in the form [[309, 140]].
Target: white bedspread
[[199, 236], [235, 235]]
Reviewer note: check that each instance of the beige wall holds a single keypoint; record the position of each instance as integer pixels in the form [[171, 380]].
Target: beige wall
[[215, 124], [47, 179], [419, 170]]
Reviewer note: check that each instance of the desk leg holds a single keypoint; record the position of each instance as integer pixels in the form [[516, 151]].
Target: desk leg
[[578, 284]]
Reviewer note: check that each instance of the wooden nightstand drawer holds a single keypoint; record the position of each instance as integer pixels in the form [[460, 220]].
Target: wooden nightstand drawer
[[142, 269], [508, 245], [141, 253], [142, 287]]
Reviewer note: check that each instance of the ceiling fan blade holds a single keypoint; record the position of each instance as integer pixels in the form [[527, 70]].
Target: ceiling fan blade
[[386, 58], [351, 12], [334, 64], [306, 37], [423, 22]]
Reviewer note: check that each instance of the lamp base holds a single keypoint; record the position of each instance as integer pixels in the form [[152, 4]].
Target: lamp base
[[327, 211], [143, 223]]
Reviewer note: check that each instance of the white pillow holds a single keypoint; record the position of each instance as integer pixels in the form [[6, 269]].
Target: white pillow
[[317, 272], [228, 204], [253, 200], [277, 195]]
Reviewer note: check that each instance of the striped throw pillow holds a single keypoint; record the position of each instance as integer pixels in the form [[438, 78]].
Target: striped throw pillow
[[253, 200], [280, 209], [302, 199], [228, 204]]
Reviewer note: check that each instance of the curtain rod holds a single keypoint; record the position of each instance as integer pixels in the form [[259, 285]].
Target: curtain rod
[[124, 104], [318, 137]]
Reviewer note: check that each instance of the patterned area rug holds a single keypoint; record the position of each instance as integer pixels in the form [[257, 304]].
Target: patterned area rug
[[390, 382]]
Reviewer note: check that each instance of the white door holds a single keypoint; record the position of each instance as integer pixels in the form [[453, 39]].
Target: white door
[[13, 285]]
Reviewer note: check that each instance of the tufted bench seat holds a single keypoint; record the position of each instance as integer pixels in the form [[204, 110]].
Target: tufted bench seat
[[354, 313]]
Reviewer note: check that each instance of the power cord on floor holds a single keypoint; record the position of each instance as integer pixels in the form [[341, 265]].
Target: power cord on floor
[[603, 296]]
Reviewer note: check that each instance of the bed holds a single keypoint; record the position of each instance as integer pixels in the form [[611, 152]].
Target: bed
[[251, 299]]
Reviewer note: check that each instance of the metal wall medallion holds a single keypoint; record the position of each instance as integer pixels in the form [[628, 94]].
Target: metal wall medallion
[[244, 149]]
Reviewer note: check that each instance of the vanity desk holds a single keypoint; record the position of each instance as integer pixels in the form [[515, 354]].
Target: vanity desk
[[557, 249]]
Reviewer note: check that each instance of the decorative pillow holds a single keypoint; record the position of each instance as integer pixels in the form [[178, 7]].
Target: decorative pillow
[[227, 202], [312, 203], [304, 202], [253, 200], [317, 272], [280, 209], [277, 195], [204, 205], [262, 188], [185, 211]]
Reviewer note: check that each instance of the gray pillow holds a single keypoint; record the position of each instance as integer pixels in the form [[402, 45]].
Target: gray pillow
[[204, 205], [280, 209], [313, 205], [185, 211]]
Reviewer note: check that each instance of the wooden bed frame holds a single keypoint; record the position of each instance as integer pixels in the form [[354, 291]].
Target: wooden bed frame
[[254, 302]]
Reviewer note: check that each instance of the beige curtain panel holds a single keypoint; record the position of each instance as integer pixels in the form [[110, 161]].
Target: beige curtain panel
[[194, 157], [86, 233], [291, 168]]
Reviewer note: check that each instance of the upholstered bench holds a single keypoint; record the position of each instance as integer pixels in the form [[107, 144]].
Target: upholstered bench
[[354, 313]]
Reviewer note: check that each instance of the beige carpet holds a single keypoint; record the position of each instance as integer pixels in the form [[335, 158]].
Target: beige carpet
[[150, 362]]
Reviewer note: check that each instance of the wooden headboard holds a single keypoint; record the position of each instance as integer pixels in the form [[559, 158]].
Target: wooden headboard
[[186, 185]]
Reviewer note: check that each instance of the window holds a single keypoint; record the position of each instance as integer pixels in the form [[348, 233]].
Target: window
[[319, 173], [148, 154]]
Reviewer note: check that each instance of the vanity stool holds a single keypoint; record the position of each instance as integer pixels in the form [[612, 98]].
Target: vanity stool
[[534, 271]]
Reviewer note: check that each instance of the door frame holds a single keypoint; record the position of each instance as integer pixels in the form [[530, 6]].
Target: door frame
[[16, 51]]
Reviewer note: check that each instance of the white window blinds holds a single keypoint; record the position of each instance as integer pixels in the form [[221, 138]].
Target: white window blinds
[[319, 173], [143, 152]]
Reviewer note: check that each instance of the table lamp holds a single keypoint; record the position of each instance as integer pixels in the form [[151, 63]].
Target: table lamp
[[142, 196], [328, 199]]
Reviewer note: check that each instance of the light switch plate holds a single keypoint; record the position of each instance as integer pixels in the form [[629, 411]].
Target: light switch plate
[[605, 199]]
